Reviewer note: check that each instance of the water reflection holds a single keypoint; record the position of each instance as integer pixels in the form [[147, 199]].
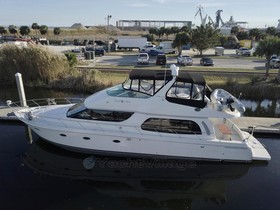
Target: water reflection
[[146, 183], [262, 108]]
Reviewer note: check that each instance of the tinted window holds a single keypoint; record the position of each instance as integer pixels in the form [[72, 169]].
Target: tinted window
[[102, 115], [171, 126]]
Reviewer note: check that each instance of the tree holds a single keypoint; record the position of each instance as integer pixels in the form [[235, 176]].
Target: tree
[[56, 31], [181, 39], [35, 27], [154, 31], [175, 30], [161, 32], [255, 34], [185, 29], [223, 40], [271, 31], [43, 29], [167, 32], [24, 30], [204, 37], [13, 29], [241, 35], [2, 30], [267, 48], [234, 30]]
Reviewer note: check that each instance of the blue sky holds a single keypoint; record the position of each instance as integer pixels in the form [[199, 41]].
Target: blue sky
[[59, 13]]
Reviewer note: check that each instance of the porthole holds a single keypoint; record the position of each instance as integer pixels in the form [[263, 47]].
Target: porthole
[[63, 135], [86, 138], [116, 141]]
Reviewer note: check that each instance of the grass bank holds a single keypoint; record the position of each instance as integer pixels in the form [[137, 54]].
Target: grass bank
[[41, 68]]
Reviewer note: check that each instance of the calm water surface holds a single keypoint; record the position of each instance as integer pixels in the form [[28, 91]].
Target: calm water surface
[[42, 176]]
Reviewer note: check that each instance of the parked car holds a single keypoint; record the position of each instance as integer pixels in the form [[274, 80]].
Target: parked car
[[77, 50], [205, 61], [147, 48], [154, 52], [143, 58], [243, 51], [161, 59], [274, 63], [184, 60], [99, 52]]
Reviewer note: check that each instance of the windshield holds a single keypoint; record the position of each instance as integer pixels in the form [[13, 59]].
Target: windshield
[[121, 91]]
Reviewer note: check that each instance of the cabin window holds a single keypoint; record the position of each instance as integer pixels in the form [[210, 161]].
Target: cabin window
[[189, 94], [171, 126], [185, 90], [102, 115], [147, 87]]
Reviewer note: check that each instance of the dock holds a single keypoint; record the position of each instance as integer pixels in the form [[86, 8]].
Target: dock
[[261, 125], [7, 113]]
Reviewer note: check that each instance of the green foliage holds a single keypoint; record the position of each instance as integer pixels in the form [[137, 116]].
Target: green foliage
[[256, 34], [2, 30], [72, 58], [12, 29], [56, 31], [36, 64], [181, 39], [234, 30], [35, 26], [241, 35], [204, 37], [175, 29], [268, 47], [149, 37], [271, 31], [254, 80], [223, 40], [231, 82], [43, 29], [24, 30]]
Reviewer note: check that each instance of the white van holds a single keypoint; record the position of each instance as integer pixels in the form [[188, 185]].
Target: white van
[[143, 58]]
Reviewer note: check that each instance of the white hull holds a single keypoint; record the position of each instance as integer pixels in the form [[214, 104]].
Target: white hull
[[153, 114], [164, 145]]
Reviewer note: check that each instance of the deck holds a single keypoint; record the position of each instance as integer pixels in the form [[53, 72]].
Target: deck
[[269, 126]]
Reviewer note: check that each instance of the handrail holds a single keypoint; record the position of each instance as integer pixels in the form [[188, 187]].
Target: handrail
[[45, 102]]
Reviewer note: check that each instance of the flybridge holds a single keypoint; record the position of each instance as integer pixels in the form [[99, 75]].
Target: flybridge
[[183, 76]]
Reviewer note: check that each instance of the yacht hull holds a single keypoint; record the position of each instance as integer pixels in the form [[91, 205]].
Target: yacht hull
[[143, 146]]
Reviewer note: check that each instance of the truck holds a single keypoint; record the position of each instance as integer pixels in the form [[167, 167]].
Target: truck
[[166, 47], [131, 42]]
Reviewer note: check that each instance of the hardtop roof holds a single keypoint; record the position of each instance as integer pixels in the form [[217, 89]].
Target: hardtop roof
[[183, 76]]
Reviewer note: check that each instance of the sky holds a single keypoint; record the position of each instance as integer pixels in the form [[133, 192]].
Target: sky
[[64, 13]]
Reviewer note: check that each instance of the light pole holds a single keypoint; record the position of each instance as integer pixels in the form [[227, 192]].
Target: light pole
[[108, 31]]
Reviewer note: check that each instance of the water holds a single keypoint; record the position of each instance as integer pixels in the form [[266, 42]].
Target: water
[[42, 176]]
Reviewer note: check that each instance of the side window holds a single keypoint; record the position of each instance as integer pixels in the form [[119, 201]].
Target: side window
[[180, 90], [171, 126], [103, 115]]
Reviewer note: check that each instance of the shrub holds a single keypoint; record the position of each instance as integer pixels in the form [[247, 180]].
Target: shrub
[[36, 63], [72, 58]]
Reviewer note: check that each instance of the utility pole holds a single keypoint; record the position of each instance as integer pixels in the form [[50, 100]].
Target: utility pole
[[108, 31]]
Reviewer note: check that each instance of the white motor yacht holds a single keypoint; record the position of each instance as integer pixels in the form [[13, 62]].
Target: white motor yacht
[[154, 113]]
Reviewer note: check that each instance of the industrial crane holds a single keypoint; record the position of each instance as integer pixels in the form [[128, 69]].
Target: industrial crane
[[219, 18], [199, 11]]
